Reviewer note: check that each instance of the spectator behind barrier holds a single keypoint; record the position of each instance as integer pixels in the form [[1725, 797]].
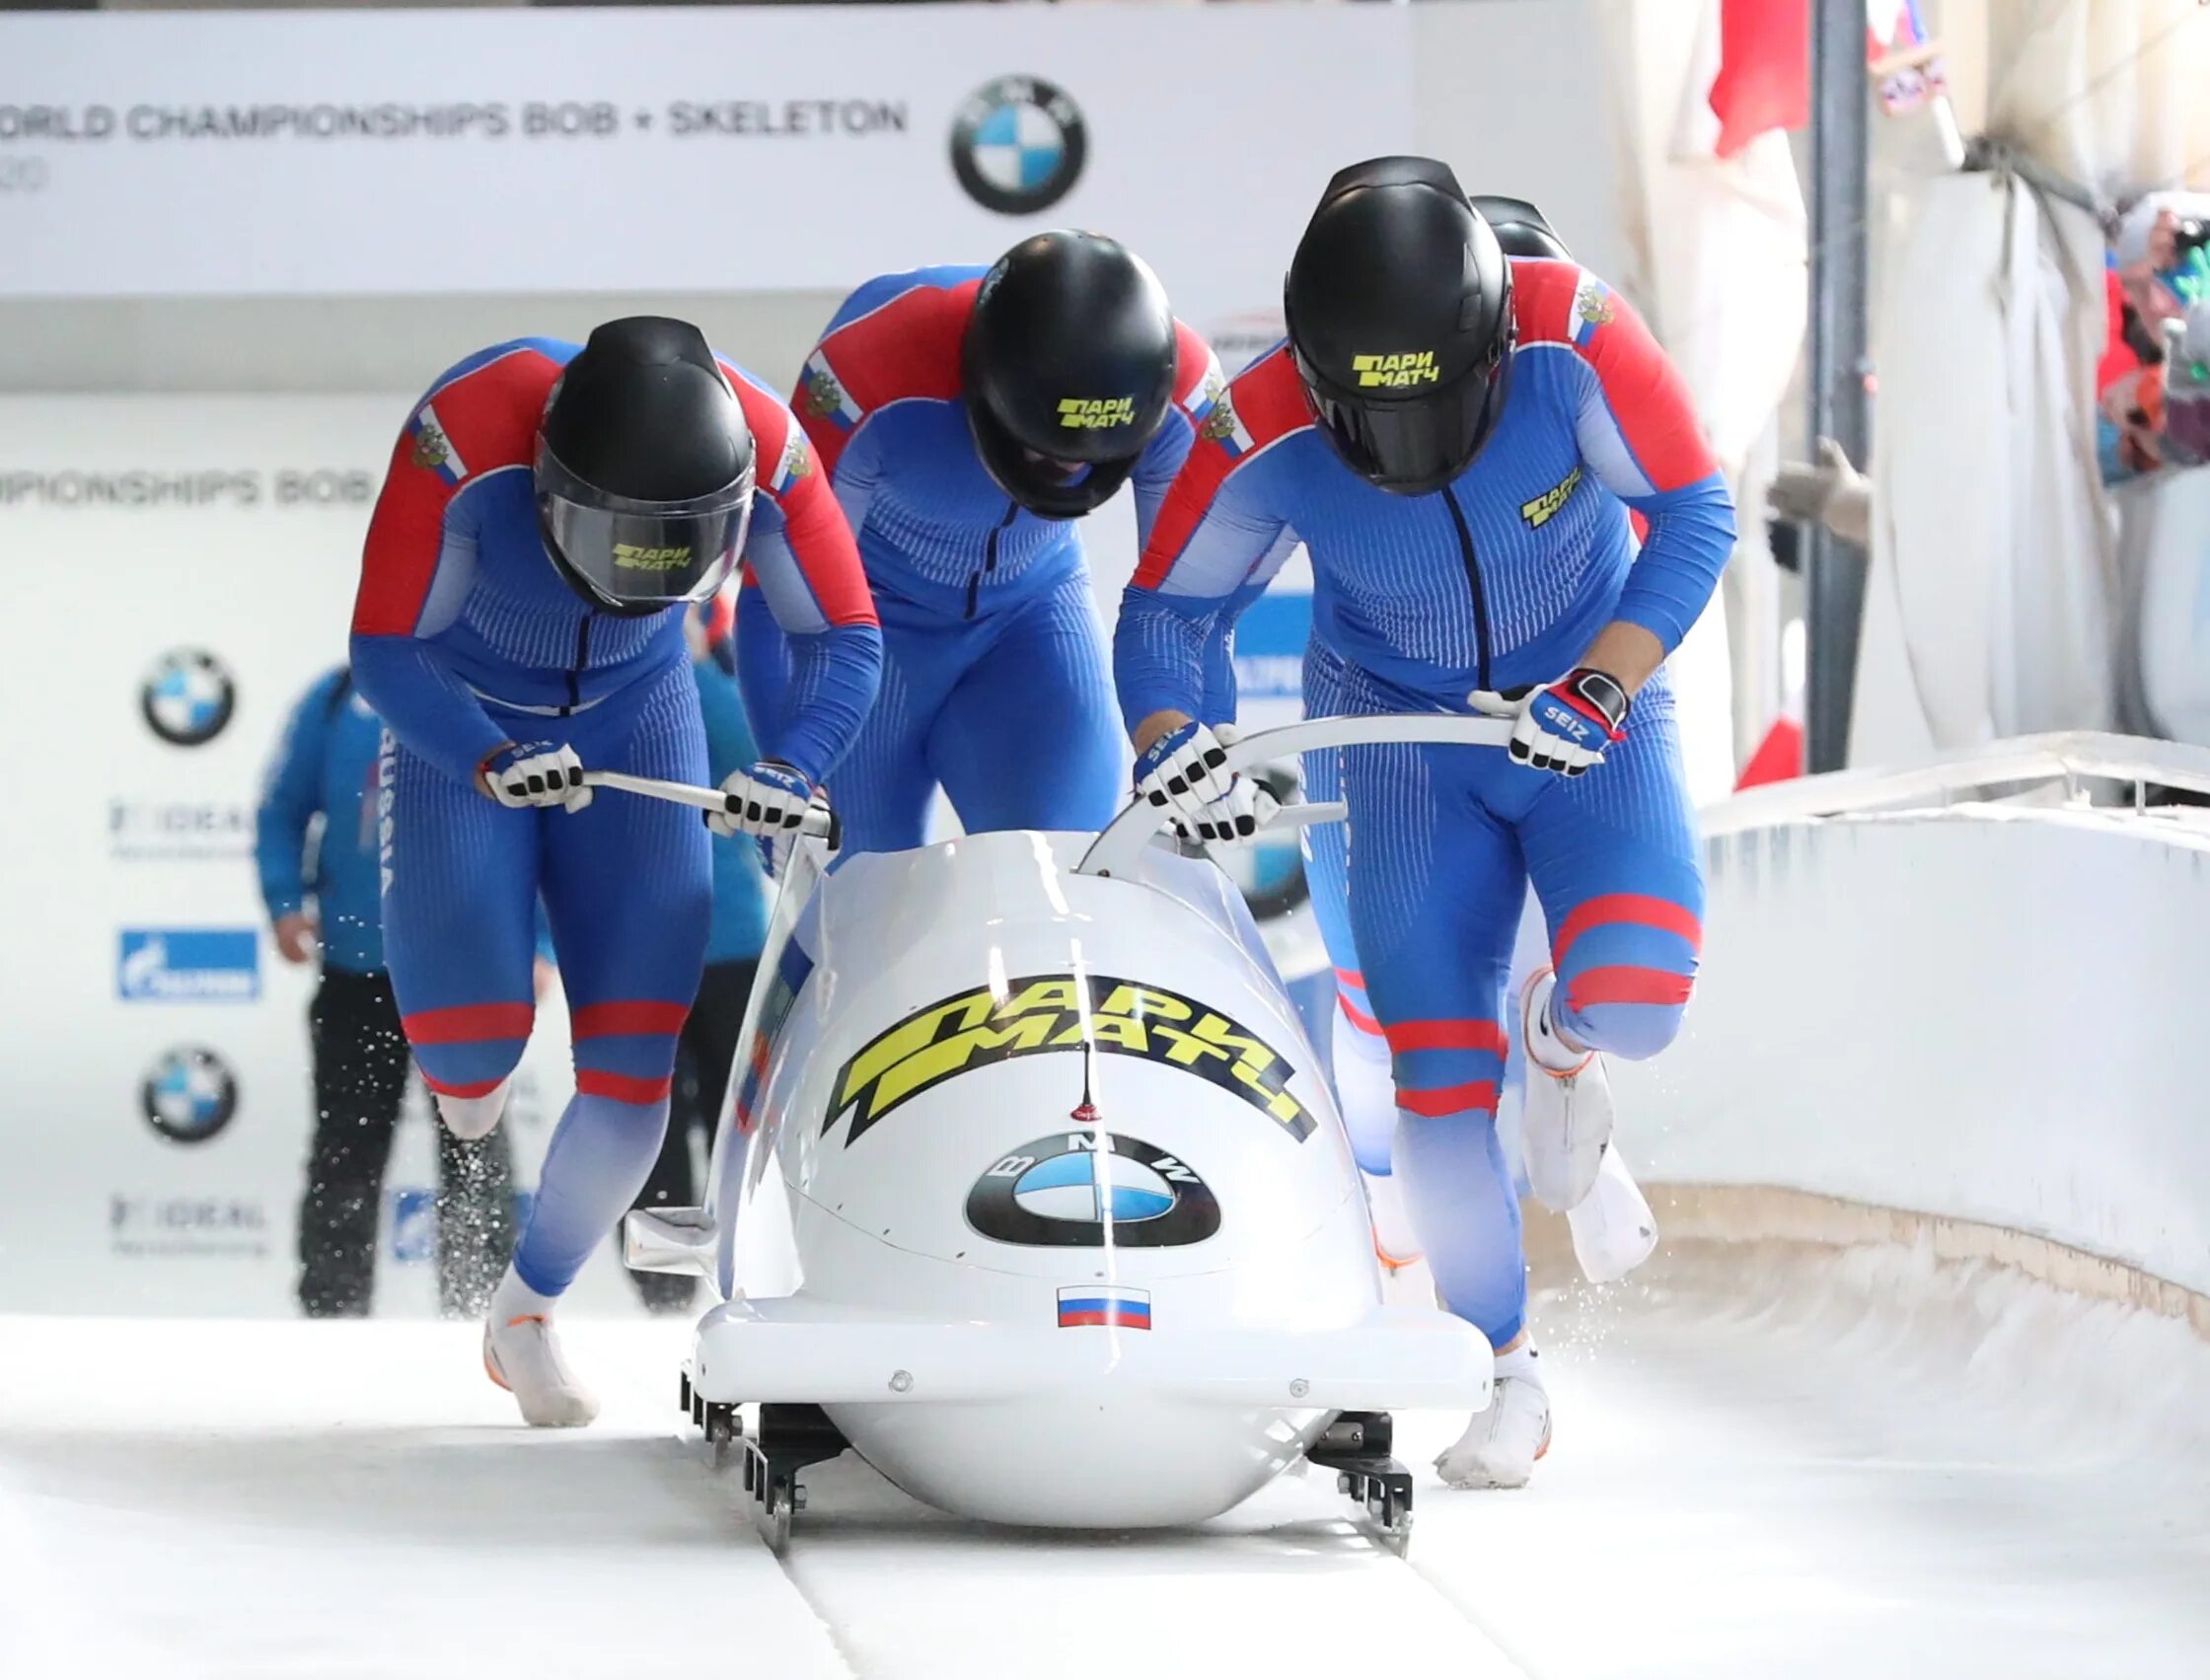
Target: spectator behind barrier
[[316, 849]]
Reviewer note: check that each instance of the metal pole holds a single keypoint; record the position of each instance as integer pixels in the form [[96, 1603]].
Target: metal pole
[[1834, 572]]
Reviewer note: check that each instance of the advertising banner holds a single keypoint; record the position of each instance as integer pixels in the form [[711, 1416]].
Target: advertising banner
[[180, 569], [694, 149]]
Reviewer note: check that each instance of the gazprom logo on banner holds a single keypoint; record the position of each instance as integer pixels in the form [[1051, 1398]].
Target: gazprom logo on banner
[[413, 1222], [414, 1227], [189, 964], [1270, 641]]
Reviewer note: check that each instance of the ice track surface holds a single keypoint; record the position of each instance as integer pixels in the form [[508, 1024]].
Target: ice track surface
[[1779, 1466]]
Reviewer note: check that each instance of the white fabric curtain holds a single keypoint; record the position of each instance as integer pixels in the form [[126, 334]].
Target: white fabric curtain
[[1996, 603], [1992, 604], [2107, 92]]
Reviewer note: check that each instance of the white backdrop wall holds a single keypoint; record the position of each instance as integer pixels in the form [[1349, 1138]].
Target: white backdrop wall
[[131, 531], [1209, 134], [690, 149]]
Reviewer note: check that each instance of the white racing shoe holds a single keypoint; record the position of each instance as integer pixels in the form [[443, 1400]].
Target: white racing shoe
[[1394, 1243], [1502, 1444], [1565, 1122], [522, 1354], [1613, 1230]]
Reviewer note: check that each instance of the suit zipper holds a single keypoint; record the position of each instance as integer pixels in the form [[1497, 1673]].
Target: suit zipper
[[1473, 580], [989, 556], [576, 670]]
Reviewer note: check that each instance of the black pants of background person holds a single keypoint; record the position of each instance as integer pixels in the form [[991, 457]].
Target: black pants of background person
[[360, 1078], [703, 1057]]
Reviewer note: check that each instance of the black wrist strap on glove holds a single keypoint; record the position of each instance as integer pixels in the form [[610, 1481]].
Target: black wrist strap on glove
[[1601, 693]]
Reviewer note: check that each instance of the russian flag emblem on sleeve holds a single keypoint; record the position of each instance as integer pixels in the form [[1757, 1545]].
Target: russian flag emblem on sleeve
[[1592, 307], [1217, 422], [1104, 1304], [822, 395], [433, 450]]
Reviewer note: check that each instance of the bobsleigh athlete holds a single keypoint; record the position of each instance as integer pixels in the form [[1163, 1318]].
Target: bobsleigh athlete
[[1612, 1227], [967, 419], [1436, 430], [549, 515]]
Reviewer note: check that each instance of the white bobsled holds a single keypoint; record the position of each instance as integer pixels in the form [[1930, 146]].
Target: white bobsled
[[1030, 1188]]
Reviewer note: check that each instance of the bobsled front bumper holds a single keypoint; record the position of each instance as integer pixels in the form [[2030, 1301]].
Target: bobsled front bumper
[[790, 1349]]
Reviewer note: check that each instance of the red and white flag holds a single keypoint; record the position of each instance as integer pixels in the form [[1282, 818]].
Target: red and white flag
[[1750, 75]]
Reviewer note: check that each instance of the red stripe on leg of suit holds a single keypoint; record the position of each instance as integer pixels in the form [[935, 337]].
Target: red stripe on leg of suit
[[608, 1020], [621, 1087], [1358, 1017], [470, 1023], [1660, 913], [1445, 1035], [473, 1088], [1450, 1099], [1623, 984]]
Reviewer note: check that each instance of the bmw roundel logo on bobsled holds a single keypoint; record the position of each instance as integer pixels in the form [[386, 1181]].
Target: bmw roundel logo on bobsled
[[1082, 1188], [1030, 1190]]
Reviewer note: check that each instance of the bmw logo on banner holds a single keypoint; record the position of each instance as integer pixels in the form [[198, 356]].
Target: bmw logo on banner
[[188, 696], [1065, 1190], [189, 1095], [1018, 145]]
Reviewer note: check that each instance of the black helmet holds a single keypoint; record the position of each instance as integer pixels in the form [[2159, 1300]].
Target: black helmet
[[1399, 309], [1070, 362], [1520, 228], [645, 465]]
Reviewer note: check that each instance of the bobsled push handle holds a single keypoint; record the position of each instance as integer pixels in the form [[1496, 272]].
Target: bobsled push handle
[[1116, 850], [820, 822]]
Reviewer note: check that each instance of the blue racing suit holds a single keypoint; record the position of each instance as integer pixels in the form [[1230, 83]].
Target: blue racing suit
[[1441, 601], [995, 681], [466, 639]]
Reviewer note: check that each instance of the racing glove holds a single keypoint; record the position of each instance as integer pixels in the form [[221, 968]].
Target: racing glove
[[765, 801], [1237, 815], [1565, 726], [538, 773], [1246, 808], [768, 802], [1184, 770]]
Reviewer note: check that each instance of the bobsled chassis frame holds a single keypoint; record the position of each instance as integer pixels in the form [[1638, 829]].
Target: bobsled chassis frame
[[789, 1439]]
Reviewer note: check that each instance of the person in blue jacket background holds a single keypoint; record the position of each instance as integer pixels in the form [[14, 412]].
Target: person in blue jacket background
[[707, 1047], [314, 849]]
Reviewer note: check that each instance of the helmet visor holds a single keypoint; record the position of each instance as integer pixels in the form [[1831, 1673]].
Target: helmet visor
[[1413, 445], [1051, 486], [635, 557]]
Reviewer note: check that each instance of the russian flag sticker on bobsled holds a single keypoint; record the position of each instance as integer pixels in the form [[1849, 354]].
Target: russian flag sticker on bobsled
[[1098, 1303]]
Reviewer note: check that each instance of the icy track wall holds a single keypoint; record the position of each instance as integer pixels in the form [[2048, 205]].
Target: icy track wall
[[1989, 1015]]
